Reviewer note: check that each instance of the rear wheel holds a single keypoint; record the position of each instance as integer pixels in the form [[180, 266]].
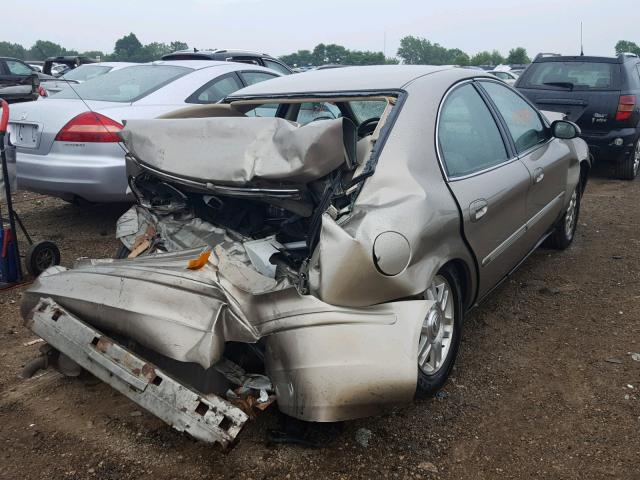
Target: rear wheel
[[123, 251], [628, 168], [565, 229], [441, 331]]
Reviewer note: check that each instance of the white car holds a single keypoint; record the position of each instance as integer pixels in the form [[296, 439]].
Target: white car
[[67, 145], [504, 75]]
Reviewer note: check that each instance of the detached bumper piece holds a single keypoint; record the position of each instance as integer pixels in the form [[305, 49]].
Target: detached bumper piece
[[204, 417]]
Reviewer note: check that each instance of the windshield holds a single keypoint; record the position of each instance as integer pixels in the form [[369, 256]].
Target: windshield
[[366, 109], [572, 76], [85, 72], [125, 85]]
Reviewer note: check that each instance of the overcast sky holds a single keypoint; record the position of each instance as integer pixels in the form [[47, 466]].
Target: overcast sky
[[283, 26]]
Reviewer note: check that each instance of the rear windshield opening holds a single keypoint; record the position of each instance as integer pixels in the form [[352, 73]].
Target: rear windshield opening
[[125, 85], [572, 76], [86, 72], [306, 112]]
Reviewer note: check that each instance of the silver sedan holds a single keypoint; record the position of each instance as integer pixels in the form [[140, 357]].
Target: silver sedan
[[347, 235], [67, 144]]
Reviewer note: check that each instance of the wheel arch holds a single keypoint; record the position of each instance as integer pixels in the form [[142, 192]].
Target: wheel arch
[[465, 275], [585, 169]]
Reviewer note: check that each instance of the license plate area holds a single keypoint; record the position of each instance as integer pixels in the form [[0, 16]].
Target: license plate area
[[25, 135]]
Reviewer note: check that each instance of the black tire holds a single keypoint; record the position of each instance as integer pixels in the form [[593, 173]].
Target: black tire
[[561, 237], [123, 251], [628, 168], [428, 384], [41, 256]]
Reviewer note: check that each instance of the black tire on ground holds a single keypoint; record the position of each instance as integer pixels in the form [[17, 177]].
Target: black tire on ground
[[430, 384], [561, 237], [628, 168], [122, 252], [40, 256]]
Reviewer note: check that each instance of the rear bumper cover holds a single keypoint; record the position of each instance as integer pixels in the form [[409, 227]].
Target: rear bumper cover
[[327, 363], [207, 418], [603, 147], [96, 178]]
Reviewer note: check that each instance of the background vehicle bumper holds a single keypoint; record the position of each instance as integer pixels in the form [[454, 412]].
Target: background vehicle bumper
[[604, 148], [96, 178]]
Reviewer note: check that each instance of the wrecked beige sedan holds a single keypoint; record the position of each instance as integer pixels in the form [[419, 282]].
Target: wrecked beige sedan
[[315, 239]]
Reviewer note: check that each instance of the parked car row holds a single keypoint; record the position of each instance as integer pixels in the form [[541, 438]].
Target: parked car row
[[67, 145], [335, 225]]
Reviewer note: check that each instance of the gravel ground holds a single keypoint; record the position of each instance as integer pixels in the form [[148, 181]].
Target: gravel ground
[[545, 385]]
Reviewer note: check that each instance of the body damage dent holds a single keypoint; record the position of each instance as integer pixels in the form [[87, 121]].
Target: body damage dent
[[189, 315]]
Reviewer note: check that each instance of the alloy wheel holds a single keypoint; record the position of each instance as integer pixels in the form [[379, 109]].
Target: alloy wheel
[[572, 215], [436, 336]]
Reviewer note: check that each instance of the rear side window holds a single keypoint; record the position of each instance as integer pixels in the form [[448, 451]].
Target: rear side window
[[18, 68], [468, 135], [572, 76], [256, 77], [523, 122], [276, 66], [125, 85], [215, 90]]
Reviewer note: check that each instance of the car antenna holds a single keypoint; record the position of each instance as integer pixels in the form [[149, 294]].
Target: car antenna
[[581, 42]]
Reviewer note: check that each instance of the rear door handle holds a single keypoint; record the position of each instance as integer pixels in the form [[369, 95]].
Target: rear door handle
[[538, 175], [478, 209]]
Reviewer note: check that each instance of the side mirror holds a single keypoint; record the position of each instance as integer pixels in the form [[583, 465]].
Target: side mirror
[[565, 129]]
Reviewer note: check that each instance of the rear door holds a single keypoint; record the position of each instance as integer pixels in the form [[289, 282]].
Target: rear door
[[546, 158], [489, 183], [586, 92]]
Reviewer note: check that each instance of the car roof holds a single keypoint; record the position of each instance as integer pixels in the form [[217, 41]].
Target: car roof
[[378, 77], [550, 57], [218, 52], [195, 65], [200, 64], [110, 64]]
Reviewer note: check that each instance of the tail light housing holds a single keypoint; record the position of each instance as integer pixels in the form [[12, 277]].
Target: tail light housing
[[42, 91], [90, 127], [626, 105]]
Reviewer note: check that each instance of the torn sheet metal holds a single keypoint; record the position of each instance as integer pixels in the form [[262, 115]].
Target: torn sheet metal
[[241, 150], [157, 301], [244, 263], [205, 417], [189, 315]]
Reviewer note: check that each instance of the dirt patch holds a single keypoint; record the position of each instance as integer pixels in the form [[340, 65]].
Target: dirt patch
[[542, 386]]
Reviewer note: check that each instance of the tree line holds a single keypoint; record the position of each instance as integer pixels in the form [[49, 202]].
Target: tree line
[[413, 50], [126, 49], [625, 46]]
